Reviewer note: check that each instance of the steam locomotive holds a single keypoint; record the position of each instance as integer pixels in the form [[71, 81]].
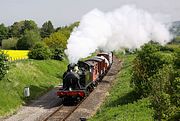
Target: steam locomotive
[[81, 78]]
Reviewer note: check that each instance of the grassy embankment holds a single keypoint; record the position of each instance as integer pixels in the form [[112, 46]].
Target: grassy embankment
[[40, 76], [122, 104]]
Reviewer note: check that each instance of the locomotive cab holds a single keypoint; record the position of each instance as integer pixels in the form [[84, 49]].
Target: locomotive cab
[[71, 81]]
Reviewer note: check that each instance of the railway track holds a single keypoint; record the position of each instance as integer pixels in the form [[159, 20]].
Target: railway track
[[63, 112]]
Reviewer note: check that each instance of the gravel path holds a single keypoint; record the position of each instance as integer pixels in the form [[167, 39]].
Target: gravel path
[[42, 106], [48, 103]]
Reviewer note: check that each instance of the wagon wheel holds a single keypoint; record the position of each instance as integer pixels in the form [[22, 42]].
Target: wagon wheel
[[87, 92], [92, 86]]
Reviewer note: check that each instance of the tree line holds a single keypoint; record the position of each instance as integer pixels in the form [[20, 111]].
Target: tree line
[[26, 35]]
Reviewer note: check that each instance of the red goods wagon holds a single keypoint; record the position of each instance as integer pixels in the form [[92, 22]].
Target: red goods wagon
[[94, 70], [108, 56], [107, 65], [101, 64]]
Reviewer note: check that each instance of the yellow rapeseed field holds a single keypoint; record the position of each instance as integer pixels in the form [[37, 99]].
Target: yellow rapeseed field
[[16, 54]]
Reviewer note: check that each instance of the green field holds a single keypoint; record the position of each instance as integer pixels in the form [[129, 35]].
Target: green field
[[40, 76], [122, 104]]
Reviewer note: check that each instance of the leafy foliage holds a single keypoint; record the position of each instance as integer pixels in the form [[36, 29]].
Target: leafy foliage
[[3, 32], [28, 33], [3, 64], [28, 40], [18, 29], [67, 29], [47, 29], [15, 29], [9, 43], [146, 64], [154, 75], [56, 40], [161, 93], [29, 25], [57, 54], [40, 52]]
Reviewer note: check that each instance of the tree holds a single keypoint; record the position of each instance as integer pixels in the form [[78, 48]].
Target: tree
[[28, 40], [3, 32], [47, 29], [56, 40], [156, 75], [144, 68], [57, 43], [40, 52], [161, 93], [9, 43], [67, 29], [18, 29], [29, 25], [72, 26]]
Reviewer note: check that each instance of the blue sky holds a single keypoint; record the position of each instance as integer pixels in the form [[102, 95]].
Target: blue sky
[[63, 12]]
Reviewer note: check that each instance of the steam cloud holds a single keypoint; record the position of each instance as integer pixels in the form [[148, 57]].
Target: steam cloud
[[126, 27]]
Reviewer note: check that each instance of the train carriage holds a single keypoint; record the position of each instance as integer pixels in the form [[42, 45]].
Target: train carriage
[[81, 78], [101, 64], [108, 56]]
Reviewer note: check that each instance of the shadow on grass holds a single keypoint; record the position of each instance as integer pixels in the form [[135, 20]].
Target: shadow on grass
[[128, 98], [47, 97]]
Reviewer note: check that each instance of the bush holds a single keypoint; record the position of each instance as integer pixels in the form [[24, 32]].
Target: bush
[[57, 43], [156, 74], [3, 64], [147, 63], [57, 54], [40, 52], [177, 61], [9, 44], [28, 40], [161, 93]]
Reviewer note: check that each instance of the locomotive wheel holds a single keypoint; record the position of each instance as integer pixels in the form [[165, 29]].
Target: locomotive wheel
[[95, 85], [91, 87], [79, 99], [87, 91]]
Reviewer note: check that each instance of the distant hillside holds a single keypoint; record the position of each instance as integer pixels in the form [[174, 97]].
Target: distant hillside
[[175, 28]]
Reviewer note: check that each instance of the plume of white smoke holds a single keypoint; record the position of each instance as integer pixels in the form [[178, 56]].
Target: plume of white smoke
[[126, 27]]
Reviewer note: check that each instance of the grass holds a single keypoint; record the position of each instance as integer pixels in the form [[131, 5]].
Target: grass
[[122, 104], [40, 76]]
